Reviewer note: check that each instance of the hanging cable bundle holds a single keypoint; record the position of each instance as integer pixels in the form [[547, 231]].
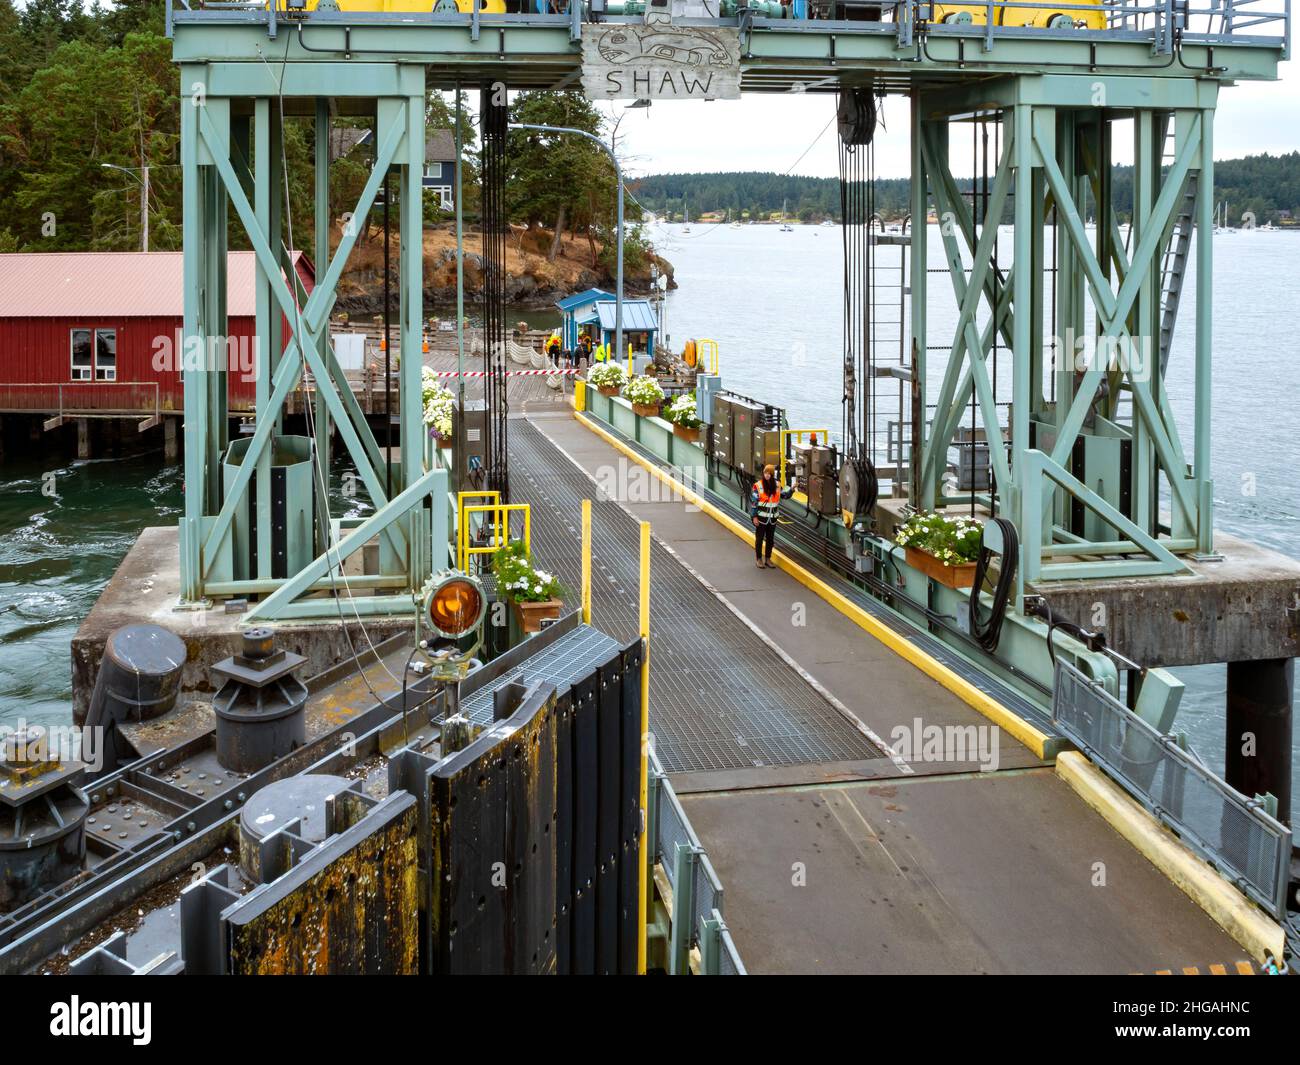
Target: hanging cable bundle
[[495, 226], [856, 118], [987, 628]]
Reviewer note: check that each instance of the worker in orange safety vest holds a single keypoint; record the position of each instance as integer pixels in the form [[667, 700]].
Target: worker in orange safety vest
[[764, 504]]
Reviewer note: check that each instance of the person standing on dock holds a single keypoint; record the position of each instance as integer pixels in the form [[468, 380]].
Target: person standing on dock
[[553, 345], [764, 504]]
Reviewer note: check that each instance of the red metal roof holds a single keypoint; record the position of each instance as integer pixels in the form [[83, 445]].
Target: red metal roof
[[123, 284]]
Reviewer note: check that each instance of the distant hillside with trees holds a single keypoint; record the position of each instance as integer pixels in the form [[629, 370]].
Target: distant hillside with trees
[[1266, 185]]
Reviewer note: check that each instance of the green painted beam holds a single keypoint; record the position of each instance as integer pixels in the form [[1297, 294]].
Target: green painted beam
[[432, 483], [304, 324], [528, 51]]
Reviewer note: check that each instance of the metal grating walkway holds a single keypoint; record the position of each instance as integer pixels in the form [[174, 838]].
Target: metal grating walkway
[[571, 657], [719, 697]]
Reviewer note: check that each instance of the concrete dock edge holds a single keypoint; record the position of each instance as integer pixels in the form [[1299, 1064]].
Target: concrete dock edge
[[1225, 905]]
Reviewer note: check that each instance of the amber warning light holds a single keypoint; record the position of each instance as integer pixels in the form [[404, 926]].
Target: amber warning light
[[455, 605]]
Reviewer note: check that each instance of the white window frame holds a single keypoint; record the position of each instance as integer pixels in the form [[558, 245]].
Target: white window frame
[[81, 373], [110, 374]]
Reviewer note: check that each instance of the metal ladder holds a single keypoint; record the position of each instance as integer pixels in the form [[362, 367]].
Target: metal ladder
[[1174, 267]]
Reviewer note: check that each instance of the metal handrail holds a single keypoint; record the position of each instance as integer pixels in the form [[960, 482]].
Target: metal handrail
[[1166, 803], [1161, 21], [65, 410]]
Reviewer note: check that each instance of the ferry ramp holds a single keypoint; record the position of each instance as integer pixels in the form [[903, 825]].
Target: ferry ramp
[[773, 714]]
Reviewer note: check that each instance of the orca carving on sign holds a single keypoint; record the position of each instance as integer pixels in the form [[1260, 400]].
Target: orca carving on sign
[[682, 46]]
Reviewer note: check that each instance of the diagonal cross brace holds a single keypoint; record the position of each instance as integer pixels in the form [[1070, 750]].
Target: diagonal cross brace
[[1039, 464], [1113, 309], [969, 296], [995, 283], [331, 559], [304, 326]]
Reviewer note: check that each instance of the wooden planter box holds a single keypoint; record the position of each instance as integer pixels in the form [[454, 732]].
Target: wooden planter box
[[961, 575], [531, 615], [646, 410], [691, 436], [607, 390]]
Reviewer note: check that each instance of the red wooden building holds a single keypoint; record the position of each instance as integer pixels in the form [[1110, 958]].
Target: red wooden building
[[85, 333]]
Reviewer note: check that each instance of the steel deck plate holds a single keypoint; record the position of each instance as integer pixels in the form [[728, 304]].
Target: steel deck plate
[[720, 698]]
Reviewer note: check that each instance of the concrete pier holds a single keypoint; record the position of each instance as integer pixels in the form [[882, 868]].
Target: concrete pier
[[1242, 607], [904, 863], [146, 588]]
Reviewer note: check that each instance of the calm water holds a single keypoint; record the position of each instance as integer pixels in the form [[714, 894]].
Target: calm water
[[772, 301]]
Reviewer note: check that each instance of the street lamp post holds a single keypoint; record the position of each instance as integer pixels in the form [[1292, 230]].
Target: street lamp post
[[618, 232], [143, 178]]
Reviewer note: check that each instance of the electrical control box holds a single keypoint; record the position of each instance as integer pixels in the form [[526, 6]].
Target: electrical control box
[[745, 418], [766, 449], [721, 421], [823, 493], [471, 472], [812, 459]]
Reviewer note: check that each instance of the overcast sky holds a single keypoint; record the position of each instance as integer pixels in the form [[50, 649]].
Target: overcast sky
[[771, 132]]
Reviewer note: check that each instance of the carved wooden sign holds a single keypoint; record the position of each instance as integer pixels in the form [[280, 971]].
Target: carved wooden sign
[[660, 61]]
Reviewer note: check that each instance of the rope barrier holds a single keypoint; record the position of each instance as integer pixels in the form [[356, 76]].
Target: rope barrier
[[508, 373]]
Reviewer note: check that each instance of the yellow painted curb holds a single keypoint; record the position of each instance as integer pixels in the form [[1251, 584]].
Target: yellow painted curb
[[1227, 906], [1036, 741]]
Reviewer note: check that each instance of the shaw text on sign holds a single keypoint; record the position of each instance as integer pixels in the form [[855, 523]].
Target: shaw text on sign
[[660, 61]]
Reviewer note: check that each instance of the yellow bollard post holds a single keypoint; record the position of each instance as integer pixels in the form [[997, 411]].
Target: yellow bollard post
[[586, 561], [643, 899]]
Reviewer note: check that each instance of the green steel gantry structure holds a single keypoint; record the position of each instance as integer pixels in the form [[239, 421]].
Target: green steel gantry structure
[[1079, 468]]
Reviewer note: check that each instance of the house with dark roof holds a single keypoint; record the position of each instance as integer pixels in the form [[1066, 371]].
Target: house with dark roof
[[440, 166], [439, 174]]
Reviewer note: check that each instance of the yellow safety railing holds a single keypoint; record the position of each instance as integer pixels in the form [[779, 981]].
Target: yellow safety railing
[[707, 350], [643, 854], [586, 561], [461, 497], [798, 434], [500, 517]]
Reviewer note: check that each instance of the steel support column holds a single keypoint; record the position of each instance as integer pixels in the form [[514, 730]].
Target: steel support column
[[218, 172], [1100, 461]]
